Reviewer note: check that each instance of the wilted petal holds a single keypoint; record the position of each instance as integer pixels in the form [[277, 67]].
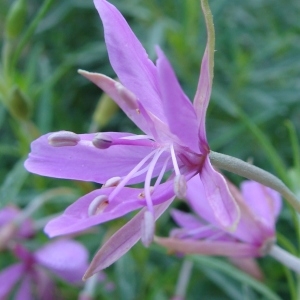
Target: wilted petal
[[219, 197], [24, 291], [76, 217], [124, 239], [249, 266], [9, 277], [129, 59], [230, 249], [86, 162], [178, 109], [66, 258]]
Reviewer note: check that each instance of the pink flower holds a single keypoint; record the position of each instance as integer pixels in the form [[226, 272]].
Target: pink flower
[[11, 228], [65, 258], [201, 234], [174, 140]]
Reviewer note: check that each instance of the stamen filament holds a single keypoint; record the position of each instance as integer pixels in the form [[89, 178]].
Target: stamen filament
[[161, 174], [130, 175], [148, 179], [174, 160]]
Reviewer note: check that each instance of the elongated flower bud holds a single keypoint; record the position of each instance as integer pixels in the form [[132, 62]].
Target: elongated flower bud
[[19, 105], [15, 19]]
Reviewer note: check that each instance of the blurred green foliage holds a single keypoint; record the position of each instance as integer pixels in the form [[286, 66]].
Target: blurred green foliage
[[256, 90]]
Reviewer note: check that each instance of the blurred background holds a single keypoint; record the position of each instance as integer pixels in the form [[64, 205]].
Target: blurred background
[[253, 114]]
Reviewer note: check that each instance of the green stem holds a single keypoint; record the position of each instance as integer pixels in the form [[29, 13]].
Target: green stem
[[286, 258], [232, 272], [183, 279], [249, 171]]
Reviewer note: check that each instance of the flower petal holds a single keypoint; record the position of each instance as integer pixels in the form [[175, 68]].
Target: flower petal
[[9, 277], [249, 266], [202, 96], [67, 259], [86, 162], [129, 59], [24, 292], [76, 218], [219, 197], [179, 111], [264, 202], [122, 241], [231, 249], [110, 87]]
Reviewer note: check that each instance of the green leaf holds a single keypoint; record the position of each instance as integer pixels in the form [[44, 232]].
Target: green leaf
[[13, 183], [233, 272]]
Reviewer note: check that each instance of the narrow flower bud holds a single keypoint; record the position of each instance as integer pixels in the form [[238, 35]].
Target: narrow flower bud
[[63, 138], [127, 96], [111, 182], [180, 186], [97, 205], [15, 19], [102, 141], [19, 105], [148, 226]]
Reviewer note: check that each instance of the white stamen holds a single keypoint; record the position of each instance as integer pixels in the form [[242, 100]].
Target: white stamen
[[63, 138], [128, 97], [97, 205], [102, 141], [130, 175], [149, 177], [161, 174], [174, 160], [114, 181], [136, 137], [180, 186], [147, 228]]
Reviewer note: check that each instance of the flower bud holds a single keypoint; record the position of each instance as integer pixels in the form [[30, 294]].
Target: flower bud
[[19, 105], [15, 19]]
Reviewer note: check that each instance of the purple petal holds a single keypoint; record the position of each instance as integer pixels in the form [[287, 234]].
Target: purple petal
[[45, 287], [8, 214], [76, 218], [122, 241], [129, 59], [264, 202], [185, 220], [247, 230], [24, 292], [109, 86], [86, 162], [219, 197], [178, 109], [65, 258], [231, 249], [9, 277], [192, 228], [202, 96]]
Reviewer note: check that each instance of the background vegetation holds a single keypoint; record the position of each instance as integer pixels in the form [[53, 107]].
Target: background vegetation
[[254, 115]]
